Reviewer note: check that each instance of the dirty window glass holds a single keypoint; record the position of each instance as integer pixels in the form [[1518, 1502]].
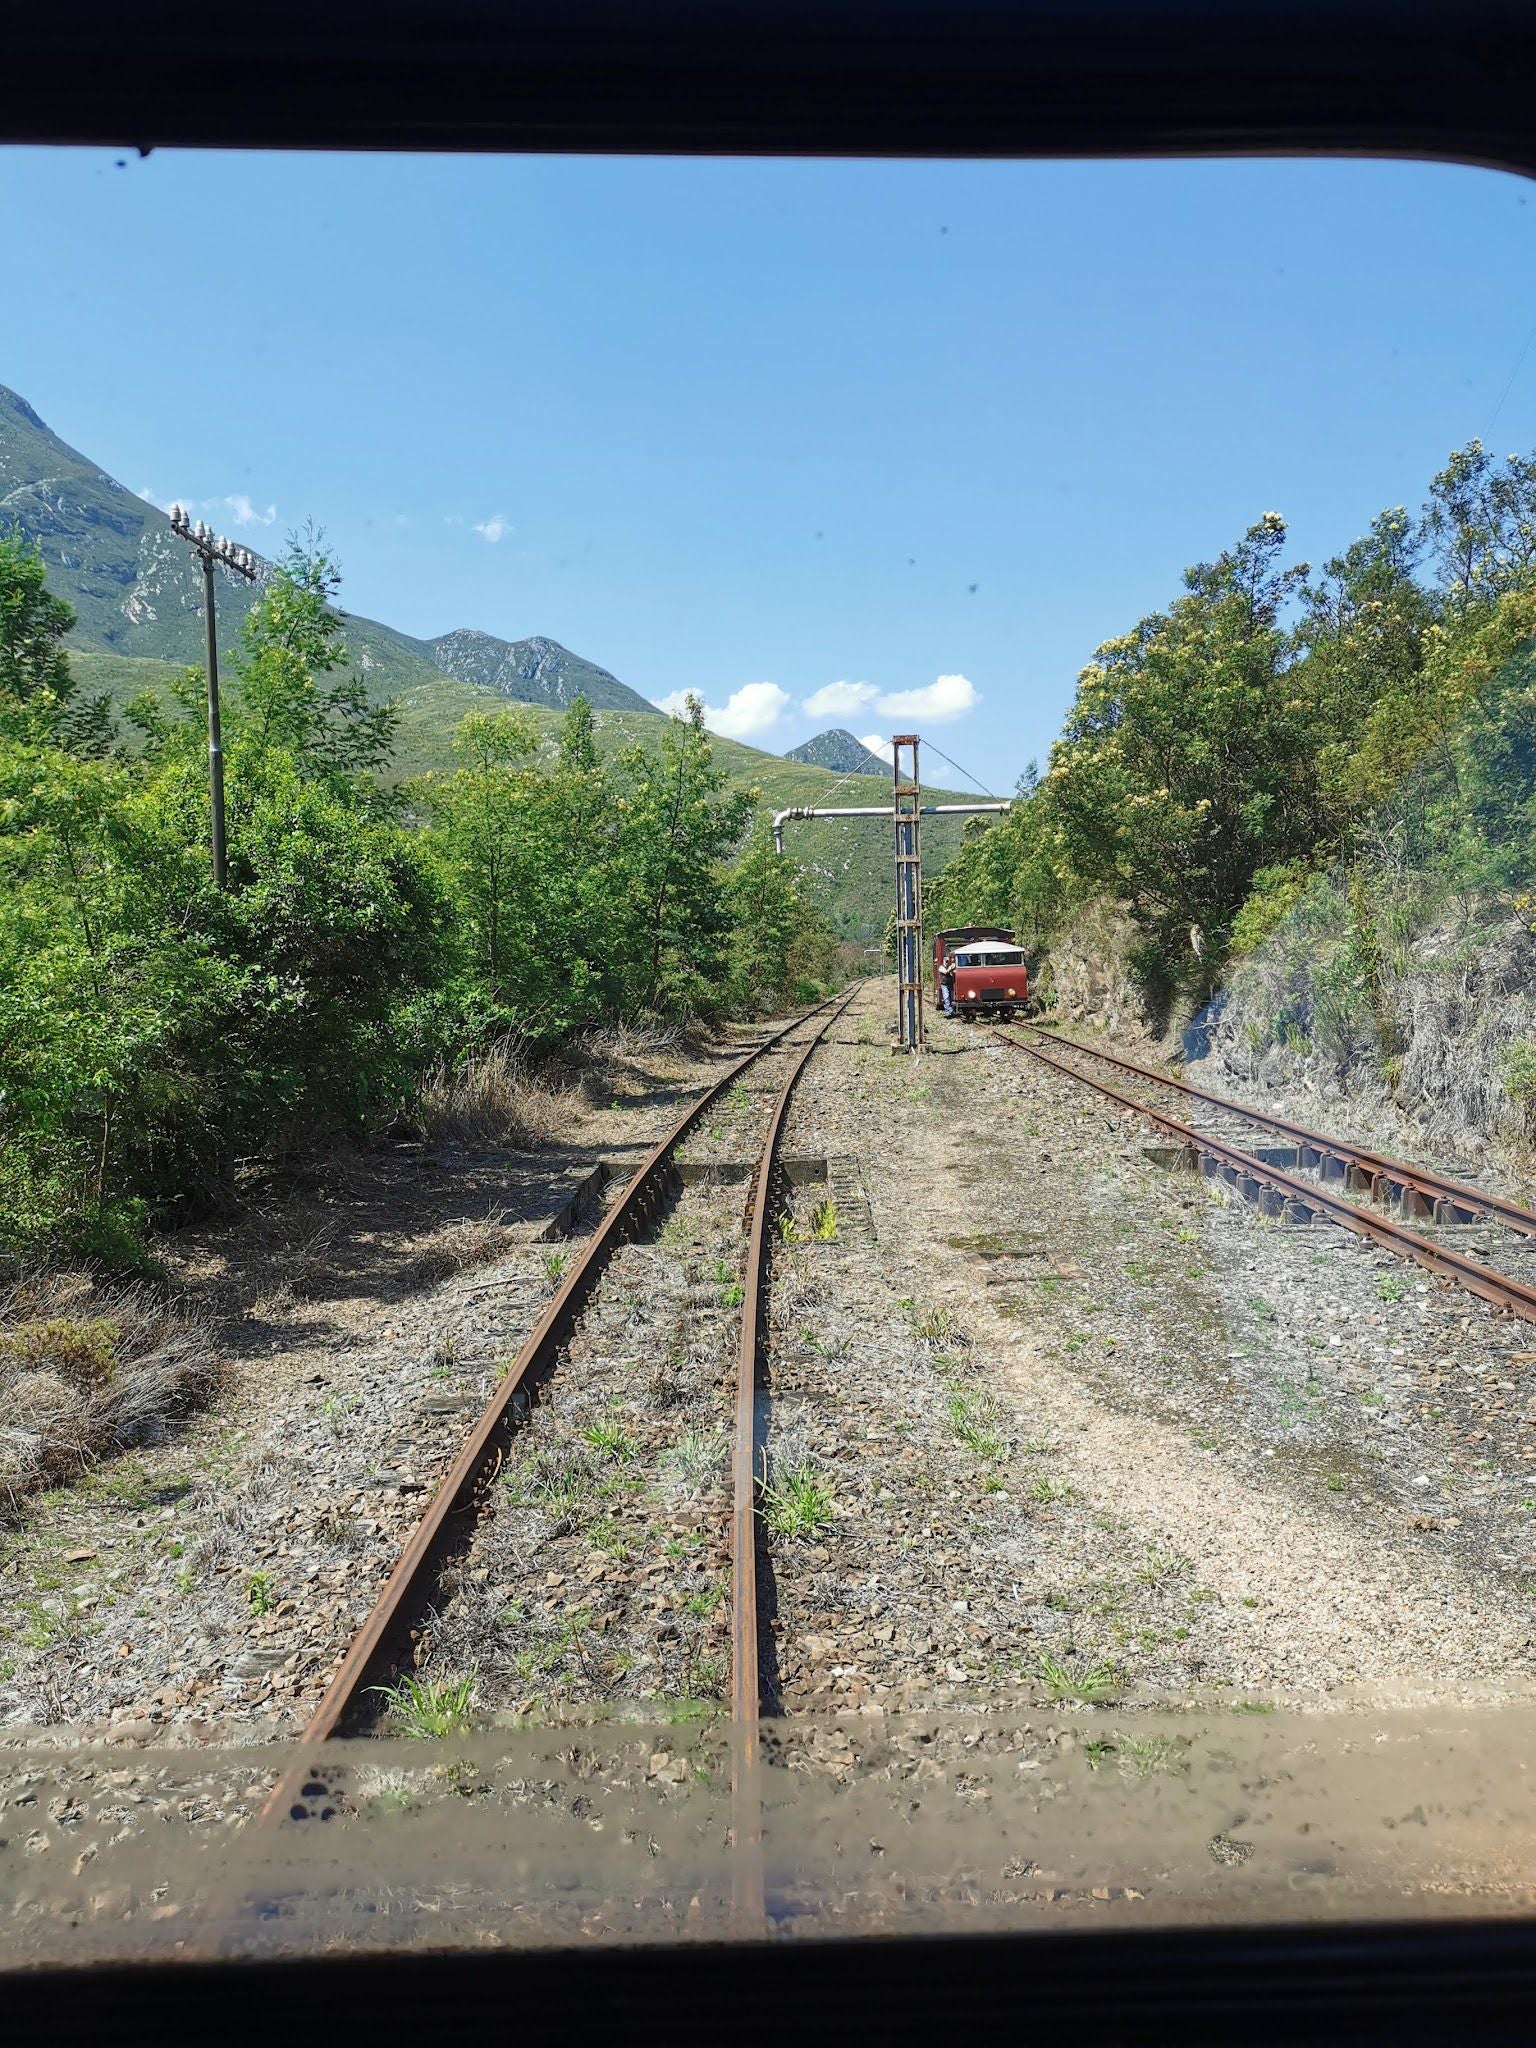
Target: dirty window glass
[[558, 1379]]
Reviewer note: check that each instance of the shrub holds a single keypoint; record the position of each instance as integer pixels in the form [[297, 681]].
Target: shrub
[[86, 1371], [1270, 900]]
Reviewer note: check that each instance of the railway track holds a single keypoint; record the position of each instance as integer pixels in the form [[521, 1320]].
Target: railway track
[[1314, 1177], [421, 1587]]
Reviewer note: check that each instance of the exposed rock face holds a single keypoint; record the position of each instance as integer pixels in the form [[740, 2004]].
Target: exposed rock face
[[838, 750], [1412, 1012], [1088, 973], [1404, 1018]]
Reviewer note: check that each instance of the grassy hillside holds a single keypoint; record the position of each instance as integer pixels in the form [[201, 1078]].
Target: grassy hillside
[[137, 593], [851, 856]]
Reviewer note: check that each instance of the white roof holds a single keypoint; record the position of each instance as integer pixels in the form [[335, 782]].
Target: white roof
[[986, 946]]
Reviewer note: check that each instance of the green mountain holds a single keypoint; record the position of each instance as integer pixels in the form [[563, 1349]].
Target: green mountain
[[137, 593], [536, 671], [137, 590], [838, 750]]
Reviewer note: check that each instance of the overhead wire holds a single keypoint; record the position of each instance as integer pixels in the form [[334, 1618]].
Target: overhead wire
[[962, 771], [1510, 382]]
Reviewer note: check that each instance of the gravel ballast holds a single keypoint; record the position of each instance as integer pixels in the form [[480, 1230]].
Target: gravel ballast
[[1086, 1488]]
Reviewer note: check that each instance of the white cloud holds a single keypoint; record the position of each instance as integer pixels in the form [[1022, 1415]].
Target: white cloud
[[757, 711], [748, 713], [243, 513], [877, 743], [233, 509], [838, 700], [754, 708], [495, 527], [946, 698]]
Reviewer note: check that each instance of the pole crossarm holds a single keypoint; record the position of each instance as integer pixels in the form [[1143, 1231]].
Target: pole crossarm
[[904, 813], [796, 812]]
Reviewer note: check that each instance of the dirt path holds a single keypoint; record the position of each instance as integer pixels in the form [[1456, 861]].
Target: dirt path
[[1094, 1430]]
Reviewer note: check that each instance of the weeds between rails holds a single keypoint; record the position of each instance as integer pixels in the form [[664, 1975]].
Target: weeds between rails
[[376, 1667], [1280, 1193], [638, 1211]]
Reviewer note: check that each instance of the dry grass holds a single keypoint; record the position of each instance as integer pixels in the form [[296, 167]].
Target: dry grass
[[459, 1248], [602, 1062], [495, 1097], [503, 1097], [86, 1371], [619, 1044]]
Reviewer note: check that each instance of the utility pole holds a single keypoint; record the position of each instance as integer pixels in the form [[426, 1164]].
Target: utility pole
[[905, 811], [212, 547]]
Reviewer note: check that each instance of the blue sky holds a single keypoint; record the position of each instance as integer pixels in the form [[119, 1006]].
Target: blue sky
[[904, 428]]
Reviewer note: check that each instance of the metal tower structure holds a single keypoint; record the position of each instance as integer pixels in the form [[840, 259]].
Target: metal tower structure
[[906, 812], [906, 807]]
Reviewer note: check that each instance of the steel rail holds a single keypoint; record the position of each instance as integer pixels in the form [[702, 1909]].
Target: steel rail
[[450, 1514], [1377, 1166], [457, 1490], [1500, 1289], [748, 1904]]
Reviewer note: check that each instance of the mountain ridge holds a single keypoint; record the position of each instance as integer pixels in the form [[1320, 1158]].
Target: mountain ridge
[[837, 749], [137, 591], [550, 674]]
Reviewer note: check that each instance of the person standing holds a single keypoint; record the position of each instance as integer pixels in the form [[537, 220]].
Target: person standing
[[947, 984]]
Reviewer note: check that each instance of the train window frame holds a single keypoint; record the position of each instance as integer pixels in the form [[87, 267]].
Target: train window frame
[[1443, 79]]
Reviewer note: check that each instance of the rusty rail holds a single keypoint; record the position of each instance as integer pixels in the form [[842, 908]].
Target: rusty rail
[[1377, 1170], [748, 1906], [1501, 1289], [454, 1508]]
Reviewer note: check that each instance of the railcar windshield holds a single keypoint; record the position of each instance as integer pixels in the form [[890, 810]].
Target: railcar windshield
[[499, 1275]]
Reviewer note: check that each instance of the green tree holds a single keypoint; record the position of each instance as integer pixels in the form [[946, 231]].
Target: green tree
[[1361, 640], [1187, 760], [152, 1028], [290, 695], [515, 848], [285, 695], [677, 819], [39, 698], [106, 979], [781, 944], [1480, 525], [1009, 872]]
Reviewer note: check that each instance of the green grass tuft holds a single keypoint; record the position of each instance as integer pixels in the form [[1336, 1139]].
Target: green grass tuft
[[1089, 1684], [429, 1709], [799, 1503]]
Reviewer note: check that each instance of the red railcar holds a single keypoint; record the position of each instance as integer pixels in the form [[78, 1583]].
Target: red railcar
[[991, 979]]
